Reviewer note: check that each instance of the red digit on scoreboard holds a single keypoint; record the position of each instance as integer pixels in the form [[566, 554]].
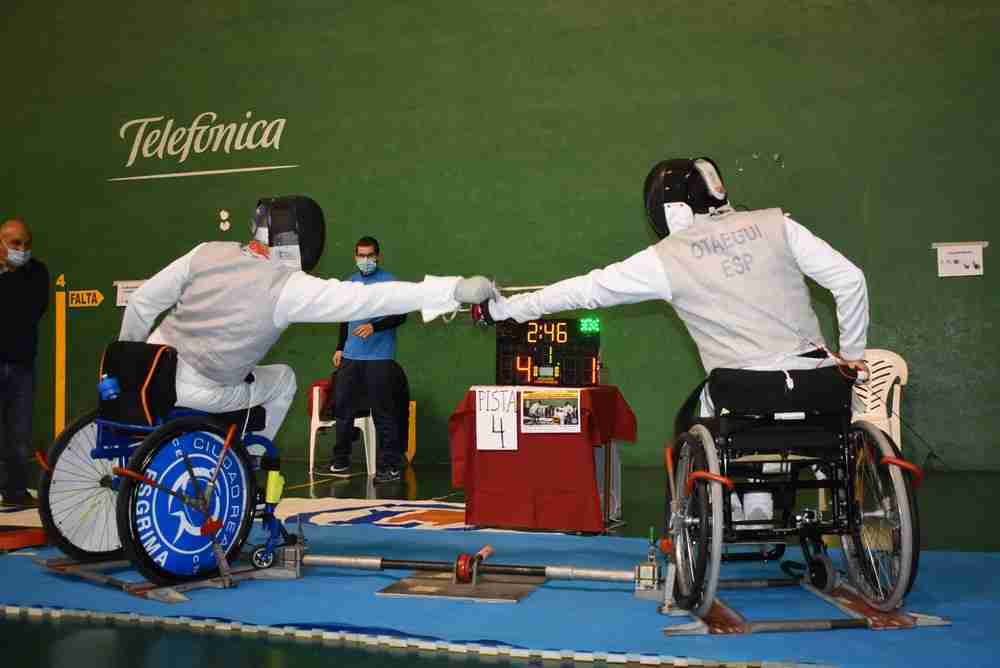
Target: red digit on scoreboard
[[524, 366]]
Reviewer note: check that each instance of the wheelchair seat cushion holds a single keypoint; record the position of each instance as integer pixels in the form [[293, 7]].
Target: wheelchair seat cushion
[[238, 417], [824, 390], [256, 422], [146, 375]]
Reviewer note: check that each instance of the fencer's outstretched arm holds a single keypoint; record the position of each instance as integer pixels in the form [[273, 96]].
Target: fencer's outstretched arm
[[306, 298], [635, 279], [154, 297], [822, 263]]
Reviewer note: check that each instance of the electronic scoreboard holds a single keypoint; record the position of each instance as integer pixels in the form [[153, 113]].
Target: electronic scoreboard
[[560, 352]]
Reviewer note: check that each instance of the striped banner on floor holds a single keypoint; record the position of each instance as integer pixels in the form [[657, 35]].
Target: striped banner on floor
[[378, 512]]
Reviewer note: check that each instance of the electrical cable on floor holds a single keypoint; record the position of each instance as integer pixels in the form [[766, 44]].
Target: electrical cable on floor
[[447, 496], [931, 452]]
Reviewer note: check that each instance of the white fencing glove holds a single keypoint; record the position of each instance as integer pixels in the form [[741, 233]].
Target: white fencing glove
[[475, 290]]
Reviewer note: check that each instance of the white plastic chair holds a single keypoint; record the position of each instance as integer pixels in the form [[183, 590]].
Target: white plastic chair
[[877, 400], [365, 424]]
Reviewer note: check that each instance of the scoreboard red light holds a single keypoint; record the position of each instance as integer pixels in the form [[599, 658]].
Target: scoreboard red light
[[555, 352]]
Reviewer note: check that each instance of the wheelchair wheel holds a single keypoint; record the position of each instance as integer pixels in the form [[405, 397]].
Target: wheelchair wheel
[[697, 525], [167, 538], [883, 549], [822, 573], [76, 501]]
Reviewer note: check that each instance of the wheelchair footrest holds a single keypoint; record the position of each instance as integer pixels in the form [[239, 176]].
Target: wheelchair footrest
[[101, 573], [725, 620]]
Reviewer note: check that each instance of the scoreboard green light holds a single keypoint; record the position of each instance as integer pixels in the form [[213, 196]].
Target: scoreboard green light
[[590, 326]]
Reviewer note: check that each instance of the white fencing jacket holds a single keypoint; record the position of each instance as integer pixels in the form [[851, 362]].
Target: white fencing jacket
[[646, 276], [213, 308]]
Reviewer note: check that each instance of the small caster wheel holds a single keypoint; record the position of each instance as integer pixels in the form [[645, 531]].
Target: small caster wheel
[[261, 557], [822, 574]]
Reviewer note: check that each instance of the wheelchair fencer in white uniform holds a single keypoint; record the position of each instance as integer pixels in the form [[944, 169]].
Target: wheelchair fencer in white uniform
[[223, 306], [737, 279]]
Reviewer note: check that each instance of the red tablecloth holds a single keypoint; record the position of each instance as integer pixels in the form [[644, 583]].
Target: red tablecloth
[[549, 482]]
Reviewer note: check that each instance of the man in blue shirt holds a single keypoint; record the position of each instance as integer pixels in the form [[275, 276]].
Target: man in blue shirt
[[366, 368]]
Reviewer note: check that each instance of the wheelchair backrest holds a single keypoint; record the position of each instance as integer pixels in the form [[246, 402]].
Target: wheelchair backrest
[[146, 375], [757, 410], [823, 390]]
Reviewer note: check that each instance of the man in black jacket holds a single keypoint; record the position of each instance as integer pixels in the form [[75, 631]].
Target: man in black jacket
[[24, 293]]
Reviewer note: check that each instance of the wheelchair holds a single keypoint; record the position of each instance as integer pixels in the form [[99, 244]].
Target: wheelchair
[[784, 433], [175, 492]]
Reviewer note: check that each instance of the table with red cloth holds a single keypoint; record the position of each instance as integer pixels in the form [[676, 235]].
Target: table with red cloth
[[550, 481]]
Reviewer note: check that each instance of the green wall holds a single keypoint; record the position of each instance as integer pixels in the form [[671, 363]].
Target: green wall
[[511, 139]]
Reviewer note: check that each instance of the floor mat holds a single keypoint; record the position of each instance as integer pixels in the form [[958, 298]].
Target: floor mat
[[567, 619]]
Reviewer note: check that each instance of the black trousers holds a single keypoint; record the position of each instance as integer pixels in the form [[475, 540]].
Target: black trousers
[[17, 391], [381, 386]]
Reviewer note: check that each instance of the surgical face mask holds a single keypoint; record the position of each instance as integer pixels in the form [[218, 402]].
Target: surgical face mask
[[17, 258], [366, 265]]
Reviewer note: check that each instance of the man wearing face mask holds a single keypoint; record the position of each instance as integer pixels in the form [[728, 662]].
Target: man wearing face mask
[[228, 303], [365, 366], [24, 293]]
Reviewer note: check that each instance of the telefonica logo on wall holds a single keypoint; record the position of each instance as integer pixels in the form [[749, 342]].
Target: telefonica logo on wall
[[155, 140]]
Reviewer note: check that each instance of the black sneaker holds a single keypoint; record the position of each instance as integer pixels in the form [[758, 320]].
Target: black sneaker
[[340, 468], [387, 474], [24, 500]]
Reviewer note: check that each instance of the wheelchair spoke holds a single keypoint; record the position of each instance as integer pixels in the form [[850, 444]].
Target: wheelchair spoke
[[70, 502], [690, 557], [79, 450], [86, 520], [194, 480], [188, 501], [230, 434]]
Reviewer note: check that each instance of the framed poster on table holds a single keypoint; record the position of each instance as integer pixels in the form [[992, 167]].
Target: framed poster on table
[[550, 411]]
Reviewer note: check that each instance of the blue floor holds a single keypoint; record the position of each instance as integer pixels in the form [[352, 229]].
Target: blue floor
[[560, 616]]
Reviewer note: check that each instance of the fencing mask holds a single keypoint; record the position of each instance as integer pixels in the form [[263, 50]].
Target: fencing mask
[[677, 189], [293, 227]]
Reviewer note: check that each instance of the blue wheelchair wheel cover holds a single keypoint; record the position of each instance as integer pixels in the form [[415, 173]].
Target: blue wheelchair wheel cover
[[167, 530]]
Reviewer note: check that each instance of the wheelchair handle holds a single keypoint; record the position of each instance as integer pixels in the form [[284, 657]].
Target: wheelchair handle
[[913, 469], [859, 376]]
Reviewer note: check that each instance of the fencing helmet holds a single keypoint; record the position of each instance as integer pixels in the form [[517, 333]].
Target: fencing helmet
[[677, 189], [293, 227]]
